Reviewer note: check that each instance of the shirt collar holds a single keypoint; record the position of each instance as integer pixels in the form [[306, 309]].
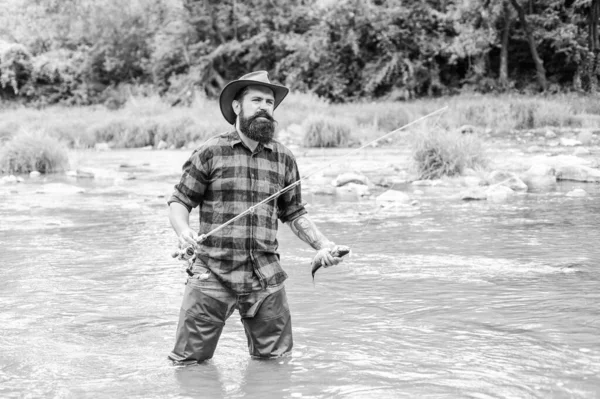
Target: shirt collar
[[235, 138]]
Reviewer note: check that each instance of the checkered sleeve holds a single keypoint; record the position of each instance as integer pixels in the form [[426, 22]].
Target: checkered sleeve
[[289, 204], [190, 189]]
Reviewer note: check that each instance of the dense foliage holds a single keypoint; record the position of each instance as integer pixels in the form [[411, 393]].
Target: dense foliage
[[84, 51]]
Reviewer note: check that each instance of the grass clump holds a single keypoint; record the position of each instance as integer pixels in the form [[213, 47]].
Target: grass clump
[[33, 150], [447, 153], [321, 131]]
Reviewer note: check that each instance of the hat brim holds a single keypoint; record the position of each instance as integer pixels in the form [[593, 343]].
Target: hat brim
[[231, 89]]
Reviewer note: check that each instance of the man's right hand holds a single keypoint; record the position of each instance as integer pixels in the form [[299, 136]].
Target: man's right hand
[[188, 238]]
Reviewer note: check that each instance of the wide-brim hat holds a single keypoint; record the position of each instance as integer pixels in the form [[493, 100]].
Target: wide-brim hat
[[259, 78]]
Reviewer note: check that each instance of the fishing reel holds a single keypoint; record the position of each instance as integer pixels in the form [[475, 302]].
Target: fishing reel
[[188, 254]]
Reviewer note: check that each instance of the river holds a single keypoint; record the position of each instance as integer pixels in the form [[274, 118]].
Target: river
[[456, 300]]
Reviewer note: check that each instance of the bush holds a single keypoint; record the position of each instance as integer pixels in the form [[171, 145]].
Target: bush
[[447, 153], [29, 151], [57, 78], [15, 67], [325, 132]]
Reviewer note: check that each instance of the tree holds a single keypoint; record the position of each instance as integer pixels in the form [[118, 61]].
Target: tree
[[539, 63]]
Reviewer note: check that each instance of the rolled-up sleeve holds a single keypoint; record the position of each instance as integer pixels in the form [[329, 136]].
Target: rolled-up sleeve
[[289, 204], [190, 189]]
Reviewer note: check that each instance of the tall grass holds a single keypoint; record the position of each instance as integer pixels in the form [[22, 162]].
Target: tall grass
[[141, 122], [144, 121], [447, 153], [322, 131], [33, 150]]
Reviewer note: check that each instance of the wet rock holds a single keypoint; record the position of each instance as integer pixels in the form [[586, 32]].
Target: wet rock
[[559, 160], [383, 181], [346, 178], [550, 134], [328, 190], [499, 193], [578, 192], [34, 174], [540, 177], [85, 174], [392, 197], [59, 188], [581, 151], [508, 179], [352, 191], [471, 181], [10, 179], [467, 129], [473, 194], [577, 173], [585, 136], [565, 142], [495, 193], [541, 169], [429, 183], [534, 149]]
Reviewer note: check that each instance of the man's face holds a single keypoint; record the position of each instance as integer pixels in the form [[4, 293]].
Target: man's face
[[255, 114]]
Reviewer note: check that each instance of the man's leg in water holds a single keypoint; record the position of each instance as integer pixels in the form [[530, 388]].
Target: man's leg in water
[[205, 307], [269, 327]]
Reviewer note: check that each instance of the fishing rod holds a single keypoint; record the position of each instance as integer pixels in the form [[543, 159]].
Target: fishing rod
[[278, 193]]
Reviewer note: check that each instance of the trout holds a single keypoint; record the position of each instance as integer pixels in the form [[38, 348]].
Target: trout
[[337, 252]]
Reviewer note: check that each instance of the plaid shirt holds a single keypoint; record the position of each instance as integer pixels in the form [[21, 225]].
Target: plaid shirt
[[225, 178]]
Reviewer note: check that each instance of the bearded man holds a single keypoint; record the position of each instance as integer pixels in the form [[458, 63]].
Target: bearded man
[[238, 266]]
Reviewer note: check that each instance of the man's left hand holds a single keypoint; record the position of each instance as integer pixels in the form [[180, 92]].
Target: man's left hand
[[325, 258]]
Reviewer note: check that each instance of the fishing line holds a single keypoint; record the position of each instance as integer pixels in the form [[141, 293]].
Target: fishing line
[[277, 194], [381, 207]]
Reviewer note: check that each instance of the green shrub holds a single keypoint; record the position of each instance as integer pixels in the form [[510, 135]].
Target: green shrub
[[321, 131], [75, 134], [15, 67], [391, 119], [33, 150], [110, 131], [447, 153]]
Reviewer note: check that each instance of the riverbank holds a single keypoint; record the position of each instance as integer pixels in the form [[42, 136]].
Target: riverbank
[[149, 121], [539, 159], [558, 137]]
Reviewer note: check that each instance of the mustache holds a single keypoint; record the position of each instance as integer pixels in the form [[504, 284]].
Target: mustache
[[262, 114]]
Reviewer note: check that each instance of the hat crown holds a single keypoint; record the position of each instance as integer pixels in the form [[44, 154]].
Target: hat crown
[[259, 76]]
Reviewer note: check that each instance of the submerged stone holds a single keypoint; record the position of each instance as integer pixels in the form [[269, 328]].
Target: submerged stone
[[578, 192], [392, 197], [578, 173]]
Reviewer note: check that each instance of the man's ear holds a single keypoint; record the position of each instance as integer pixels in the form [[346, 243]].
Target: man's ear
[[237, 107]]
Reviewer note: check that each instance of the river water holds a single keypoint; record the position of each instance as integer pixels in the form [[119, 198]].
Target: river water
[[455, 300]]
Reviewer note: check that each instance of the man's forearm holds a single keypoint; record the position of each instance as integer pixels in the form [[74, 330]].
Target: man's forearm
[[307, 231], [179, 217]]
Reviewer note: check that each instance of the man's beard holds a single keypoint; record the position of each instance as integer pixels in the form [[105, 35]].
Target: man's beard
[[258, 130]]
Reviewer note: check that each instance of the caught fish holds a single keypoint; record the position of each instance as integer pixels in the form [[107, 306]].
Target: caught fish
[[337, 252]]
